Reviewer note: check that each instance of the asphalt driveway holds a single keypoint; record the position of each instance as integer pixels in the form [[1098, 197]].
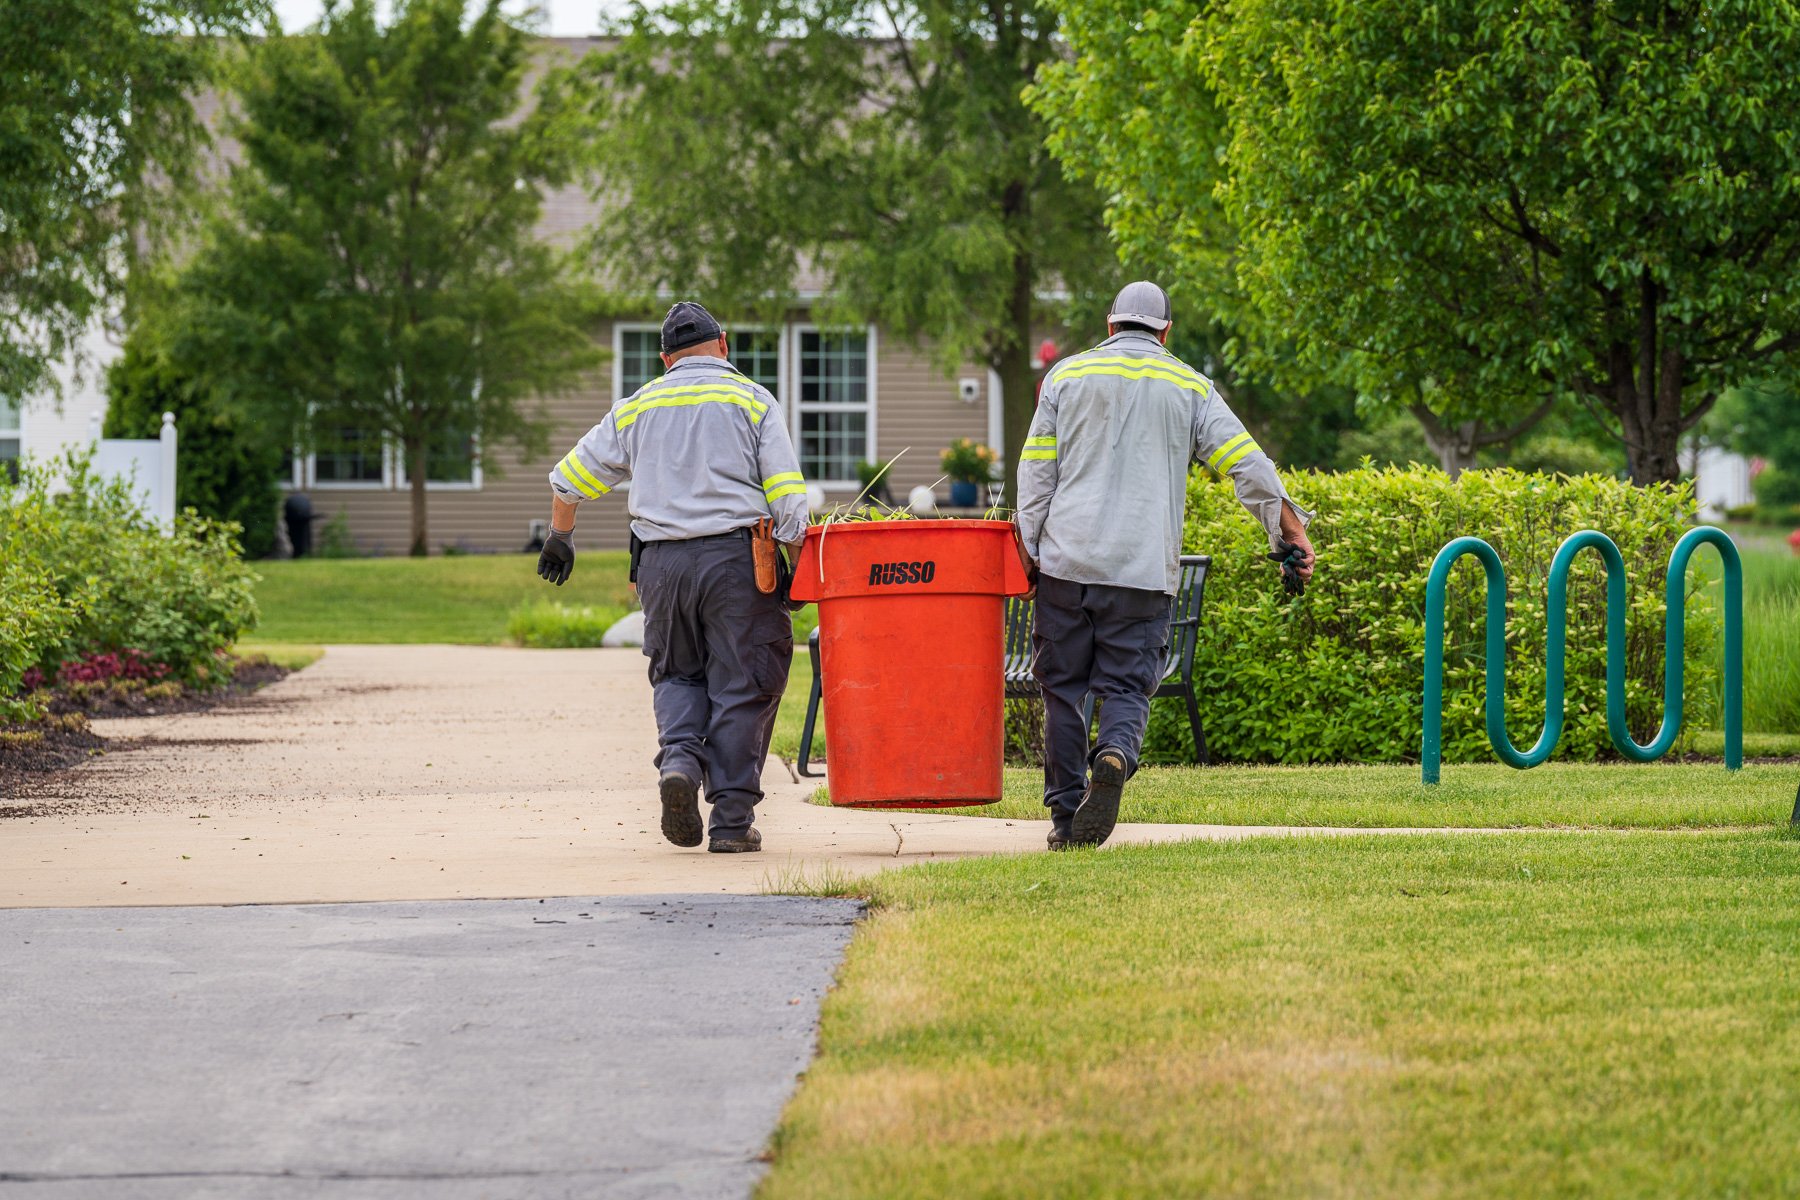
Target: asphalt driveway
[[637, 1046]]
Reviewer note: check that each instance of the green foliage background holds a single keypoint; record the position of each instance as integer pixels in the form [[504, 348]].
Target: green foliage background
[[1336, 676], [229, 463]]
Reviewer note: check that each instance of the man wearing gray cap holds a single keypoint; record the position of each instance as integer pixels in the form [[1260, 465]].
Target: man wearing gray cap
[[711, 468], [1102, 497]]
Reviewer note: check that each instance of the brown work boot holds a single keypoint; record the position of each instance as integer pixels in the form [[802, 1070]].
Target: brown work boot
[[750, 843], [1099, 810], [681, 809]]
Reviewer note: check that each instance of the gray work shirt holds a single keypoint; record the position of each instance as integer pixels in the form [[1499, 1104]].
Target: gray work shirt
[[706, 450], [1103, 476]]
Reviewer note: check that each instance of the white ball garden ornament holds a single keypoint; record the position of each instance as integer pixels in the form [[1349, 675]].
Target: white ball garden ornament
[[921, 501]]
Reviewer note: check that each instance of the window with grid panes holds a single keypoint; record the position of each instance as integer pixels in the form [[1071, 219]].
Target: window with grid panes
[[347, 455], [833, 404], [757, 353], [640, 359]]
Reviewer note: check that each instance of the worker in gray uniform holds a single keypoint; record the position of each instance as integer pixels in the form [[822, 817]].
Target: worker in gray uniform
[[711, 467], [1102, 496]]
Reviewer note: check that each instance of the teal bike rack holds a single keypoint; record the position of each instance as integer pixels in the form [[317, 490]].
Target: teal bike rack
[[1556, 612]]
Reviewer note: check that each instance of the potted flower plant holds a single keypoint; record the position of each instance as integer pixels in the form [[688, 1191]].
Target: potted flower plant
[[969, 464]]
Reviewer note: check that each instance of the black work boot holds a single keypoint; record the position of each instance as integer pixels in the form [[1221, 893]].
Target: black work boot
[[1099, 810], [1059, 834], [749, 843], [681, 809]]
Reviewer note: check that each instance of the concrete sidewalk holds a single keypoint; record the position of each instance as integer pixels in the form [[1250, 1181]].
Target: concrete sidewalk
[[435, 772], [623, 1048]]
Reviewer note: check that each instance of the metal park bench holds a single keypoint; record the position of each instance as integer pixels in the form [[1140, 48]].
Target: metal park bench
[[1177, 676]]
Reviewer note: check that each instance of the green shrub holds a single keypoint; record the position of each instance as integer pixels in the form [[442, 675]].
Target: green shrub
[[1337, 675], [33, 620], [334, 539], [177, 599], [548, 624]]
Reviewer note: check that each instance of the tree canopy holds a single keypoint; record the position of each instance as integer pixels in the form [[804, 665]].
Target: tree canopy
[[882, 145], [97, 126], [374, 265], [1483, 208]]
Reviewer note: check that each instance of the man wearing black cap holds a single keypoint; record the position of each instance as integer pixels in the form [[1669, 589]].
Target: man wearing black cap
[[708, 455], [1102, 497]]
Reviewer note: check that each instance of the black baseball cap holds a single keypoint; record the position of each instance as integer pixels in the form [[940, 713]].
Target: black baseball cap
[[688, 324]]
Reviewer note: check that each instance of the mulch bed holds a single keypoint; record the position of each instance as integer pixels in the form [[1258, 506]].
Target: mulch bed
[[61, 742]]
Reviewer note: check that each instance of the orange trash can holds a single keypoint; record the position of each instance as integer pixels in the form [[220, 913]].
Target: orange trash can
[[912, 648]]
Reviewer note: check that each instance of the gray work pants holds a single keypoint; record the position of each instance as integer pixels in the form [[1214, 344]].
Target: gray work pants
[[719, 655], [1110, 641]]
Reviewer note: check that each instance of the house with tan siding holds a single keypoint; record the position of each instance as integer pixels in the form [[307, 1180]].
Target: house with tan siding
[[851, 395]]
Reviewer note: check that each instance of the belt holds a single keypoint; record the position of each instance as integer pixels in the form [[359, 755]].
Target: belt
[[738, 535]]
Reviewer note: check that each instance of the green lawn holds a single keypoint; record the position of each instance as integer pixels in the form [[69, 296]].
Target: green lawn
[[462, 598], [1593, 1015], [1475, 795]]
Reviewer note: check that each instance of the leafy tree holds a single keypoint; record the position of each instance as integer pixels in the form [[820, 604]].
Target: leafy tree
[[229, 465], [1133, 109], [883, 145], [95, 107], [374, 263], [1519, 201]]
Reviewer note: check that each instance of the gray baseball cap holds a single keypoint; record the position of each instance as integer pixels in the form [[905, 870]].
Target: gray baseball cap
[[1142, 303]]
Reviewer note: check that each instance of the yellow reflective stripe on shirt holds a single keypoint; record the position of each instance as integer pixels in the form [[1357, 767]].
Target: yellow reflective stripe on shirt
[[1143, 370], [1042, 448], [580, 478], [1232, 453], [669, 400], [649, 397], [789, 483], [1046, 440]]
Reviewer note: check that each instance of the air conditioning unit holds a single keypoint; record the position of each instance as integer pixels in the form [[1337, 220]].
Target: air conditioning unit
[[540, 529]]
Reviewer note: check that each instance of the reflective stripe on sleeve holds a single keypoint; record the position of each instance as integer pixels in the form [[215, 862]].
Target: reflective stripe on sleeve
[[1041, 448], [1232, 453], [791, 483], [580, 478]]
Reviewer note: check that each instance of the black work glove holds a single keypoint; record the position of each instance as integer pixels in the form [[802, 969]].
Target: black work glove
[[557, 559], [1290, 557]]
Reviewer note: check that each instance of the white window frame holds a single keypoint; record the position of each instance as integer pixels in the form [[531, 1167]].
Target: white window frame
[[311, 481], [795, 403]]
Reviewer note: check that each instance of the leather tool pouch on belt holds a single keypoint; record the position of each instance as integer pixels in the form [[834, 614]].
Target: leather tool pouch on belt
[[763, 553]]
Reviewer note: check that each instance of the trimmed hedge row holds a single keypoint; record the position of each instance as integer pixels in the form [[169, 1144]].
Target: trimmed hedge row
[[84, 572], [1336, 676]]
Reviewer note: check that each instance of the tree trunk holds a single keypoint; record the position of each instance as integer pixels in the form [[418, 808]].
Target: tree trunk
[[415, 479], [1018, 381], [1454, 445], [1646, 392]]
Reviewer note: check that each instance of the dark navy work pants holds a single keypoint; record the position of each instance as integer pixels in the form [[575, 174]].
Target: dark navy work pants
[[1110, 641], [719, 655]]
